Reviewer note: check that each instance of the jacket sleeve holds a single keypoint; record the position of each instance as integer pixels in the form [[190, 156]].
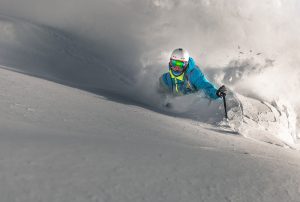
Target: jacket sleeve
[[200, 82], [164, 84]]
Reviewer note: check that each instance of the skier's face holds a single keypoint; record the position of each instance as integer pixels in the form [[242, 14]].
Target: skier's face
[[177, 65]]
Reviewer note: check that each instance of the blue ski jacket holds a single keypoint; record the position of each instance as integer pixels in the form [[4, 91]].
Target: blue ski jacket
[[192, 80]]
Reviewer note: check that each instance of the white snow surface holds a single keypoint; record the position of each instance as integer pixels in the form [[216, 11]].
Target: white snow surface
[[82, 119], [62, 144]]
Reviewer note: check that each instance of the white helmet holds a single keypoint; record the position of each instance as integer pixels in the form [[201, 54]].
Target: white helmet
[[180, 54]]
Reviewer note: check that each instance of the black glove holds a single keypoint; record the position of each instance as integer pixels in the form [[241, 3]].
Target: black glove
[[221, 92]]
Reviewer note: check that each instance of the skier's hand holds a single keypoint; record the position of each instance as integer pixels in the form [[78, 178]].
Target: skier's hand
[[221, 92]]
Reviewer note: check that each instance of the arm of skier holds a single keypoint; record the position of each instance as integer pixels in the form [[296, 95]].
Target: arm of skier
[[163, 86], [201, 83]]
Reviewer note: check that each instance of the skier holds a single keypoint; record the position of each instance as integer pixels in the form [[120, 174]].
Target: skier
[[185, 77]]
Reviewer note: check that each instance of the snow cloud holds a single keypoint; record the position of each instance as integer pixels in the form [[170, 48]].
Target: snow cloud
[[254, 43]]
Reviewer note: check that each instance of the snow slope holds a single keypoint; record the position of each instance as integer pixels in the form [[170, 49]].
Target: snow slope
[[91, 126], [62, 144], [68, 59]]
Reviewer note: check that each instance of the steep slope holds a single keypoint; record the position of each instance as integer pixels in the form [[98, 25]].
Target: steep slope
[[63, 144], [62, 57], [110, 138]]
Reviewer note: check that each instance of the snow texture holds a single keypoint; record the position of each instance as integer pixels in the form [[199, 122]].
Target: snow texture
[[85, 122], [63, 144]]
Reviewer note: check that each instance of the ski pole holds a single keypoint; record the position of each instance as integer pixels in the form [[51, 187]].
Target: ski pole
[[225, 107]]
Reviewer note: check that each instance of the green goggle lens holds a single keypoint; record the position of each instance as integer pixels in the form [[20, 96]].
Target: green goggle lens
[[177, 63]]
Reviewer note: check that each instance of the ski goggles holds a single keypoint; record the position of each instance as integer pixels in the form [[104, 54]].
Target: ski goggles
[[178, 65]]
